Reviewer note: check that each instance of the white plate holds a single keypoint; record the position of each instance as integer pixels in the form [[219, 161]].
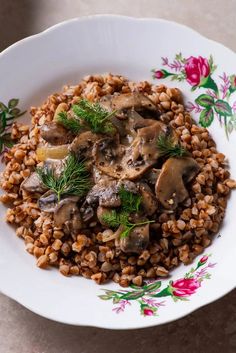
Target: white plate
[[34, 67]]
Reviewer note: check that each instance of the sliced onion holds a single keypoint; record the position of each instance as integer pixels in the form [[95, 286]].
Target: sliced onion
[[56, 152]]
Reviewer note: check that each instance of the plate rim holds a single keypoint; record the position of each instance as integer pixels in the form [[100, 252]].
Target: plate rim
[[133, 19]]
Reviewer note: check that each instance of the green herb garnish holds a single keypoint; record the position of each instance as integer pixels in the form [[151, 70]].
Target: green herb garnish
[[69, 123], [169, 148], [7, 115], [130, 203], [95, 116], [116, 218], [73, 180]]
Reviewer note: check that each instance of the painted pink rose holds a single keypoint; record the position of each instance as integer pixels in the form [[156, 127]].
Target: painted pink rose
[[148, 312], [185, 286], [196, 69]]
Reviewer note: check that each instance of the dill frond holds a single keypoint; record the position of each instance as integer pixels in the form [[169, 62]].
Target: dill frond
[[70, 124], [169, 148], [95, 116], [73, 180]]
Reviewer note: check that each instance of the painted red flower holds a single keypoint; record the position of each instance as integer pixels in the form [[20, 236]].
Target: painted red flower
[[159, 74], [148, 311], [185, 286], [196, 69], [203, 260]]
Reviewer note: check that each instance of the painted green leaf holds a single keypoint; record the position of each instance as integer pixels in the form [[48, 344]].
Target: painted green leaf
[[13, 103], [116, 300], [205, 100], [206, 117], [132, 295], [223, 108], [230, 127], [152, 287], [15, 112], [3, 106], [6, 139], [3, 121], [105, 297]]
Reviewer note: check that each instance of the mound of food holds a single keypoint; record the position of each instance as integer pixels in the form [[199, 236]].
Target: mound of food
[[114, 180]]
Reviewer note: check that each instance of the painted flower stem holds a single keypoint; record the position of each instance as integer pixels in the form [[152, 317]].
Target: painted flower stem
[[145, 296]]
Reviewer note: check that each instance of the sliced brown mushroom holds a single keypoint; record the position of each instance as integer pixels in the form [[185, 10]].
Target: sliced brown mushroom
[[48, 201], [149, 201], [123, 102], [104, 193], [87, 212], [55, 134], [137, 241], [67, 216], [131, 162], [101, 211], [170, 186], [33, 184], [151, 176], [82, 146], [99, 176]]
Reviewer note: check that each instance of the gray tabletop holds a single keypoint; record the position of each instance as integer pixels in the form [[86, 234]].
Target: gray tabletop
[[211, 329]]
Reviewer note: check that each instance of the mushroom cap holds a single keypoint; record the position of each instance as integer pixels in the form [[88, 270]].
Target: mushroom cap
[[48, 201], [123, 102], [33, 184], [137, 241], [82, 146], [67, 216], [170, 186], [131, 162], [101, 211], [55, 134], [105, 193], [149, 201]]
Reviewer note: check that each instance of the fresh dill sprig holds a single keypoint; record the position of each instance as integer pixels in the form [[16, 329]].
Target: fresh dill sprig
[[169, 148], [69, 123], [130, 203], [95, 116], [73, 180], [115, 218]]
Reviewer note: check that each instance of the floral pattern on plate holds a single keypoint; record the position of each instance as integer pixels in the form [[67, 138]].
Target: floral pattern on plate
[[216, 99], [146, 296]]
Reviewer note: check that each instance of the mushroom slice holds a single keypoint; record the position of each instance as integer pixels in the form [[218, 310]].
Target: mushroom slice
[[33, 184], [149, 201], [152, 175], [105, 193], [121, 103], [67, 216], [87, 212], [137, 241], [108, 155], [55, 134], [170, 186], [101, 211], [143, 152], [48, 201], [121, 162], [82, 146]]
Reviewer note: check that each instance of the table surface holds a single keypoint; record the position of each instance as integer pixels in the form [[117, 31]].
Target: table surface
[[209, 329]]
